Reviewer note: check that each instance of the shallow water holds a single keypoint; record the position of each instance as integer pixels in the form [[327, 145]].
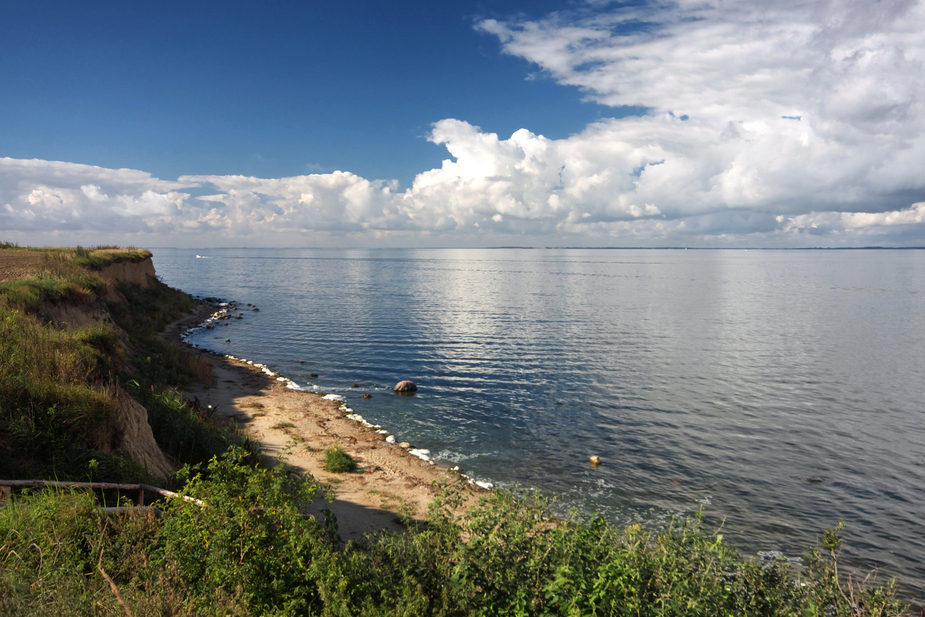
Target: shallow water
[[779, 390]]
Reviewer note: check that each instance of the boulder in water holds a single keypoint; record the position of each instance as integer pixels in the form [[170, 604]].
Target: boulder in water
[[405, 387]]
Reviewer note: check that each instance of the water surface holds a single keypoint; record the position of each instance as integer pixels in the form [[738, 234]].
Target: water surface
[[781, 391]]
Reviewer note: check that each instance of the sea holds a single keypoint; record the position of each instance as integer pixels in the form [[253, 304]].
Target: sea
[[775, 391]]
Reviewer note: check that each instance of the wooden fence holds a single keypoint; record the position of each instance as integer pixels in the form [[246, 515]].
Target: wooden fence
[[7, 486]]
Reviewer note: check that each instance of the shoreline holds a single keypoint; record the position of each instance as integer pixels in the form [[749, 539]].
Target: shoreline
[[295, 426]]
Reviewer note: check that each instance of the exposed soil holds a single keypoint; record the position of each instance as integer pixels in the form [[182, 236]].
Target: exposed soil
[[16, 264]]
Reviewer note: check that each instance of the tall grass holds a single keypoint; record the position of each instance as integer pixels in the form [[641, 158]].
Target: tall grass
[[253, 549], [58, 415], [56, 406]]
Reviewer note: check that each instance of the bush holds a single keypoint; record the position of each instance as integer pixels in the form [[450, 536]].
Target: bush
[[250, 548], [252, 539], [338, 461]]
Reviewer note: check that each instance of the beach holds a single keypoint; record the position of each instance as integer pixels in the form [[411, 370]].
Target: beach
[[295, 428]]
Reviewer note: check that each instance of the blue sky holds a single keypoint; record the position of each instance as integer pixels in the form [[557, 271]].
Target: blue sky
[[270, 90], [540, 123]]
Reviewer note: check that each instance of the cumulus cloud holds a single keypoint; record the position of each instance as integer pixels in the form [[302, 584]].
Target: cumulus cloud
[[776, 124], [787, 107], [38, 195]]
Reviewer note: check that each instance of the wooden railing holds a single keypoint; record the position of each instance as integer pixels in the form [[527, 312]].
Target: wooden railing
[[6, 487]]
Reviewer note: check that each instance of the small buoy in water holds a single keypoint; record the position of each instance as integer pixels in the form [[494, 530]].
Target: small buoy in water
[[595, 460]]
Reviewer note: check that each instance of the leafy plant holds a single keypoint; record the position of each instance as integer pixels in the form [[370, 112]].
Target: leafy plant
[[338, 461], [251, 538]]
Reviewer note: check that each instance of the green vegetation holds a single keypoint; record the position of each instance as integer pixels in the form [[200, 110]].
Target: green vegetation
[[58, 409], [338, 461], [251, 549], [94, 258], [246, 543]]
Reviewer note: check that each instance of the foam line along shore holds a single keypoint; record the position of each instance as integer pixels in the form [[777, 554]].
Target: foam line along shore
[[220, 311]]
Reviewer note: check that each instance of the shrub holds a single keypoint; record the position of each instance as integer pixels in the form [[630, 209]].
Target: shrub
[[252, 539], [338, 461]]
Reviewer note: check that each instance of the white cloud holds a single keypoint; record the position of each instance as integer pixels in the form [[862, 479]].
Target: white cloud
[[790, 106], [38, 195], [767, 123]]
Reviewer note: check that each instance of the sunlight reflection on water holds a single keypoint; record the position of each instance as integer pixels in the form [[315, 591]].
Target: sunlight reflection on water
[[722, 379]]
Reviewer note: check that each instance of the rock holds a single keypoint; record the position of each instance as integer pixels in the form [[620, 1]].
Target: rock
[[227, 340], [595, 461], [313, 375], [256, 309], [367, 396], [356, 385], [405, 445], [301, 361], [406, 386]]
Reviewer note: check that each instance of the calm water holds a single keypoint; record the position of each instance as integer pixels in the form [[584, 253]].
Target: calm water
[[780, 390]]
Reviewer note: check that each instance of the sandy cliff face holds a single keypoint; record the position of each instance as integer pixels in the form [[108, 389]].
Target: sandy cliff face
[[136, 437], [135, 273]]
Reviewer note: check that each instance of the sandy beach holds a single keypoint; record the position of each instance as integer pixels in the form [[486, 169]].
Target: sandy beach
[[296, 427]]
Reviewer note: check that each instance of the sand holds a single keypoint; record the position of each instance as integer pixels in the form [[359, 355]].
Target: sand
[[296, 428]]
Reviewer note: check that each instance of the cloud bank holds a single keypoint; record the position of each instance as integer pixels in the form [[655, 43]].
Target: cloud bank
[[784, 125]]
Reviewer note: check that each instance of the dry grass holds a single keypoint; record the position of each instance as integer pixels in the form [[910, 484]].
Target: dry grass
[[23, 262]]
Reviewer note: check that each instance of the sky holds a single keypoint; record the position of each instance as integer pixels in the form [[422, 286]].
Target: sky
[[363, 123]]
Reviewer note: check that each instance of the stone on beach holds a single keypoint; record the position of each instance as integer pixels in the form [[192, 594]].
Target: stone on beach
[[405, 386]]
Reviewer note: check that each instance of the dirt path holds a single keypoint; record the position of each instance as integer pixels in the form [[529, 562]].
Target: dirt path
[[296, 427]]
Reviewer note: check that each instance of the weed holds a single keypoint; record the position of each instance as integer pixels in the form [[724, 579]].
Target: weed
[[338, 461]]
